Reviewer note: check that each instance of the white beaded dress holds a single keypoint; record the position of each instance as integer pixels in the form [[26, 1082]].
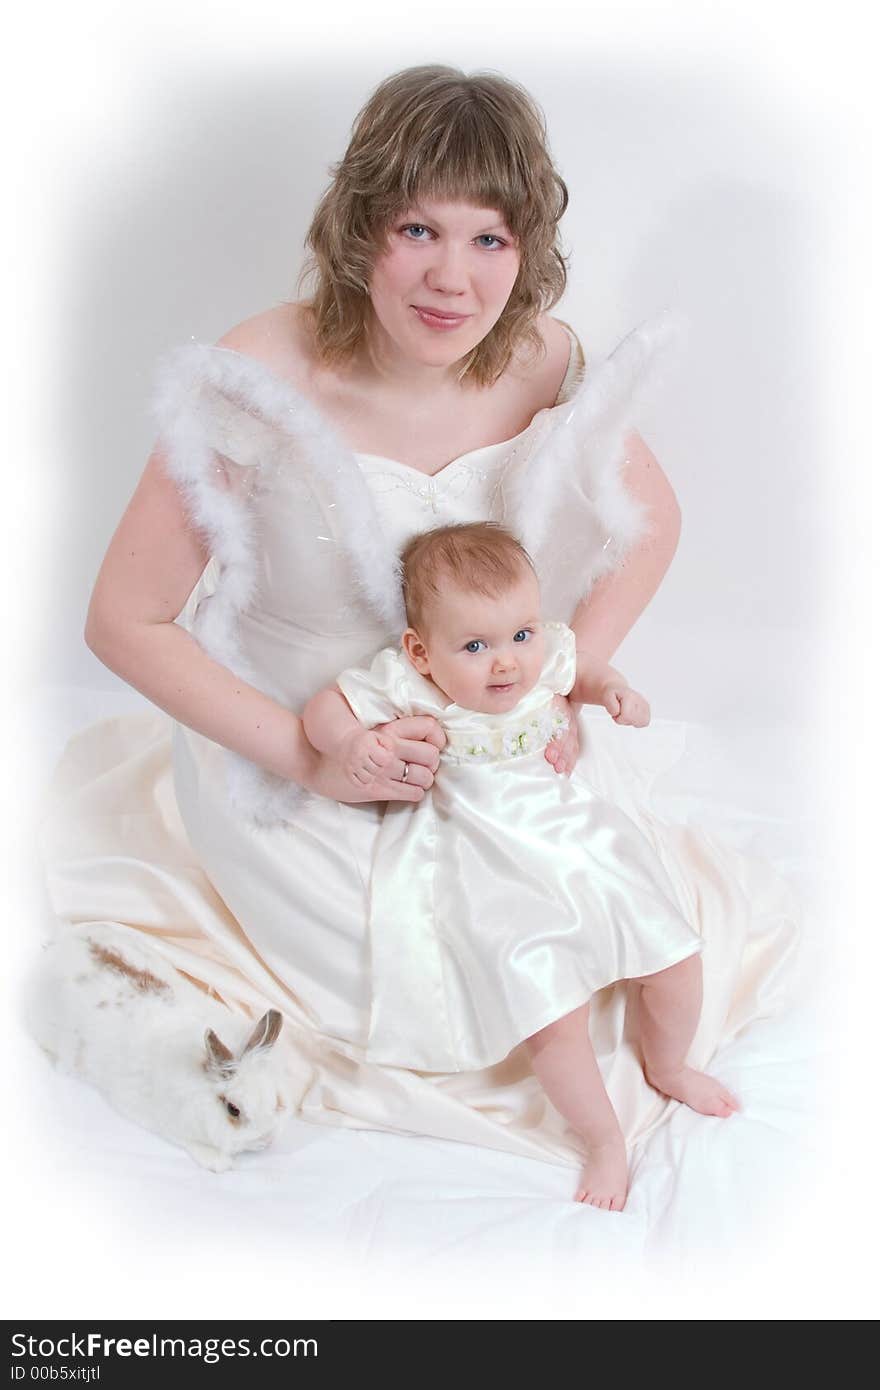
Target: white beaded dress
[[259, 891]]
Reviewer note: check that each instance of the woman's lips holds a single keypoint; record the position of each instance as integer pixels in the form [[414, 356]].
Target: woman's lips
[[442, 322]]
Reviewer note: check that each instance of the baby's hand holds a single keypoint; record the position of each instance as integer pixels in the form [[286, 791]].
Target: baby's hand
[[625, 705], [364, 755]]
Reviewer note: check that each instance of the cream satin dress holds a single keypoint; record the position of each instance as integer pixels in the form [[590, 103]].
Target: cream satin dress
[[259, 892], [509, 894]]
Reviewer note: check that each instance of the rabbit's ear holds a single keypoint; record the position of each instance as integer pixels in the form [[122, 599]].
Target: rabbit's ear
[[220, 1060], [265, 1033]]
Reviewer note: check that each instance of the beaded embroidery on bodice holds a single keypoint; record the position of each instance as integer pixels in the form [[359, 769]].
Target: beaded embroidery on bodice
[[467, 488]]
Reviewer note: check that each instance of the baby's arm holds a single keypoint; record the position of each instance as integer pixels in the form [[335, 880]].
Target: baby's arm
[[597, 683], [331, 727]]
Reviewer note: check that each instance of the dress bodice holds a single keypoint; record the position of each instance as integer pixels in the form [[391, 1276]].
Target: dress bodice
[[469, 488]]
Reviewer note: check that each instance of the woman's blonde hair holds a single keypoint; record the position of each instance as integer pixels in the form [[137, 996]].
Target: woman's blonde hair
[[436, 132]]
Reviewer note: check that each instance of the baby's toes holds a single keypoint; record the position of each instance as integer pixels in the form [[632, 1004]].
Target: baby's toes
[[725, 1102]]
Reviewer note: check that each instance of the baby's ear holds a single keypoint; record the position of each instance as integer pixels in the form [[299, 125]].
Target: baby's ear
[[415, 649]]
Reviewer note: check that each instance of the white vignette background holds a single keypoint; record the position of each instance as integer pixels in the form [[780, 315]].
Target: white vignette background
[[69, 80]]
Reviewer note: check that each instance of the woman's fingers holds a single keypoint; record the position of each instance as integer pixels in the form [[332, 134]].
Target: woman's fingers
[[380, 758], [397, 791], [562, 752], [416, 727], [416, 775], [420, 753]]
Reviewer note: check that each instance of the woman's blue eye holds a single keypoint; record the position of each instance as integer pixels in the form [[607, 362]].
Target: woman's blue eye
[[418, 227], [523, 635], [474, 646]]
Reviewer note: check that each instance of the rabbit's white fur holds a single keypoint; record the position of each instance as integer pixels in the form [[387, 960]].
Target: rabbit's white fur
[[164, 1053]]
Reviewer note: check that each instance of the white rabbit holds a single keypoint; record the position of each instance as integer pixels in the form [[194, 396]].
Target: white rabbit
[[115, 1013]]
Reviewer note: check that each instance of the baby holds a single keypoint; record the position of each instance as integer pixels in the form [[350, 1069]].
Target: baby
[[507, 896]]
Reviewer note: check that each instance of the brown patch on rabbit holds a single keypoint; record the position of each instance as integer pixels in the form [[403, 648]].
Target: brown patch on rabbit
[[142, 980]]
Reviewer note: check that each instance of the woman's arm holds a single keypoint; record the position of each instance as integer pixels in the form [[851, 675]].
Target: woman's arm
[[152, 564], [604, 618]]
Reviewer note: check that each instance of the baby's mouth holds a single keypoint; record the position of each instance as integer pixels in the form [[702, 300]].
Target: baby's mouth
[[507, 685]]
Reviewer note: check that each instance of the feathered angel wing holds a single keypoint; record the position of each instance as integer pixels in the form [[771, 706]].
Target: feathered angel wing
[[231, 431], [214, 406], [569, 505]]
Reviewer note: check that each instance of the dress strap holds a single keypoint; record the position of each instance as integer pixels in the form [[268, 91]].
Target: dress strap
[[576, 368]]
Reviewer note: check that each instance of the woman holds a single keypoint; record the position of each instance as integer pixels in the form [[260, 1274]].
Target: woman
[[423, 382]]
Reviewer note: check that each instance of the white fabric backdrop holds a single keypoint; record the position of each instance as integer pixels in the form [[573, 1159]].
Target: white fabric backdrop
[[700, 178]]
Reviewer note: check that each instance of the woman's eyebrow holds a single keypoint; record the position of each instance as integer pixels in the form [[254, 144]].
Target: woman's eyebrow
[[416, 211]]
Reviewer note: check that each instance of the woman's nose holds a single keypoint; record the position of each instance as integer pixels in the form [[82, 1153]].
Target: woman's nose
[[447, 273]]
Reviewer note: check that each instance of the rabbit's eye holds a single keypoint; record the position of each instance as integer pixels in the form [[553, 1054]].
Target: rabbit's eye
[[233, 1110]]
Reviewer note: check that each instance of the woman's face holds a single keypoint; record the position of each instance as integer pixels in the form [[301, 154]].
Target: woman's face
[[443, 281]]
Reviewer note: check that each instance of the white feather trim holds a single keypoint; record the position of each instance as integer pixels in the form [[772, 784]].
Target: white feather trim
[[586, 450], [262, 394]]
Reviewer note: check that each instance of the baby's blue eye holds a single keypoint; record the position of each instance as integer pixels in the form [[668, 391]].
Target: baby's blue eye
[[523, 635], [474, 646]]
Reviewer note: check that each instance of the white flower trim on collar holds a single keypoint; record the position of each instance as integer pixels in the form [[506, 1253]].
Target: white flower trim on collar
[[500, 745]]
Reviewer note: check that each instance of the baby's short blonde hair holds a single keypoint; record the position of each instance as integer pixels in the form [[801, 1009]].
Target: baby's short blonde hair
[[478, 556]]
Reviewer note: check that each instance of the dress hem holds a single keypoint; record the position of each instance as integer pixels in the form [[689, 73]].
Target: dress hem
[[558, 1011]]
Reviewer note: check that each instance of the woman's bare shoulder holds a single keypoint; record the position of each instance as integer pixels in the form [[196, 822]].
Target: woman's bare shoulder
[[546, 375], [555, 334], [278, 337]]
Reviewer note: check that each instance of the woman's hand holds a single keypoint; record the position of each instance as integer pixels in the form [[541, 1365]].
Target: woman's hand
[[562, 752], [414, 743], [625, 705], [417, 741]]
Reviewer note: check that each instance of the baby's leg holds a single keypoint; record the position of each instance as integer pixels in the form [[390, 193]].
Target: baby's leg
[[565, 1064], [669, 1010]]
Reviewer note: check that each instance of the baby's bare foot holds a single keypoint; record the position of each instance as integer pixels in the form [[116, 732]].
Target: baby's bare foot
[[604, 1176], [697, 1089]]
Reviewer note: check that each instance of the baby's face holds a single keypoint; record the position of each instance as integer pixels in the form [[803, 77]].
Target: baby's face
[[484, 653]]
